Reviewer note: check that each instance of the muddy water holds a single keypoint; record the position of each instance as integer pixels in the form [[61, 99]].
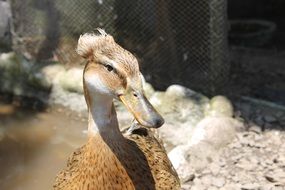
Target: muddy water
[[34, 146]]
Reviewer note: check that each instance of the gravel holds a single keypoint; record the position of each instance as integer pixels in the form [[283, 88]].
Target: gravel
[[255, 160]]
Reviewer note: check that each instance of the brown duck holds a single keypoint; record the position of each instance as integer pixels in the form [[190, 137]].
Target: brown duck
[[112, 159]]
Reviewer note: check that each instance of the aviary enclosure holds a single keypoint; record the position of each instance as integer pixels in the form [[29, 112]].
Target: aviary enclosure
[[204, 48]]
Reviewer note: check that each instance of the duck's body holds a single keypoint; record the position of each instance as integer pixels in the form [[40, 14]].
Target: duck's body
[[111, 159], [137, 161]]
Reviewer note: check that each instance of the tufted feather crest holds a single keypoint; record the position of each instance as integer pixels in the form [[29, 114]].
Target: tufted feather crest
[[90, 42]]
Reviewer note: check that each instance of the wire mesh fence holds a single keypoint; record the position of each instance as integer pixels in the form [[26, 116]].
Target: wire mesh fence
[[182, 42]]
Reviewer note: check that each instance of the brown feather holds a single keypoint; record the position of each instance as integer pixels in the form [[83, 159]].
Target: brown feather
[[137, 161]]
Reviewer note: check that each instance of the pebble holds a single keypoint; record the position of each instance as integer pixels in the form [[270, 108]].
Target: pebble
[[207, 180], [212, 188], [255, 129], [218, 182], [231, 187], [214, 168], [198, 185], [250, 186]]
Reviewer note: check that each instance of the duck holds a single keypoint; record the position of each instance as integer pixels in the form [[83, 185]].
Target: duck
[[114, 159]]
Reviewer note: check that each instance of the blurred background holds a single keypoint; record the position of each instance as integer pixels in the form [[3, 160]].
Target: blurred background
[[213, 47]]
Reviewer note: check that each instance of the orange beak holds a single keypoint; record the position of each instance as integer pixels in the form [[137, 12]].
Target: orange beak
[[141, 108]]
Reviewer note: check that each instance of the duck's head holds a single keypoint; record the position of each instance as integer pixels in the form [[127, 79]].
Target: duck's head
[[113, 72]]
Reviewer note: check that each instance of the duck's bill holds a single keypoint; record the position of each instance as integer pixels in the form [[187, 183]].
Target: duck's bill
[[142, 110]]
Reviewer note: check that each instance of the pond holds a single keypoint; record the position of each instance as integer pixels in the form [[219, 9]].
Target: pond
[[35, 145]]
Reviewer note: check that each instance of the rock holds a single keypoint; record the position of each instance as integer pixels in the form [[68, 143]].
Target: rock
[[176, 133], [217, 131], [185, 186], [72, 80], [219, 106], [246, 165], [256, 129], [208, 138], [215, 168], [178, 91], [212, 188], [21, 77], [250, 186], [201, 155], [198, 185], [39, 81], [182, 108], [267, 187], [14, 74], [72, 100], [218, 181], [51, 73], [207, 180], [177, 156], [231, 187], [157, 100], [148, 89], [175, 92]]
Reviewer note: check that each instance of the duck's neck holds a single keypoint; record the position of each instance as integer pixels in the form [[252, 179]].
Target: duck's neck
[[103, 118]]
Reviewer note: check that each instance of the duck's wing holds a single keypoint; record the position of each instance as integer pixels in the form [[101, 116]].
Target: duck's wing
[[64, 178], [161, 168]]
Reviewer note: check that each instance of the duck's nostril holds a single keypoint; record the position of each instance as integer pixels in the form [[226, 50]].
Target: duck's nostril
[[135, 94]]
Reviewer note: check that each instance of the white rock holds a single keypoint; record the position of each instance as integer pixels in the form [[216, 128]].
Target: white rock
[[219, 106], [157, 99], [52, 72], [177, 156], [217, 131], [72, 80], [176, 133], [148, 89], [201, 155], [177, 91], [7, 57], [218, 181]]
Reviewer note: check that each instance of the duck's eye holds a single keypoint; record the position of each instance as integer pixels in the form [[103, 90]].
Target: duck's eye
[[109, 68]]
